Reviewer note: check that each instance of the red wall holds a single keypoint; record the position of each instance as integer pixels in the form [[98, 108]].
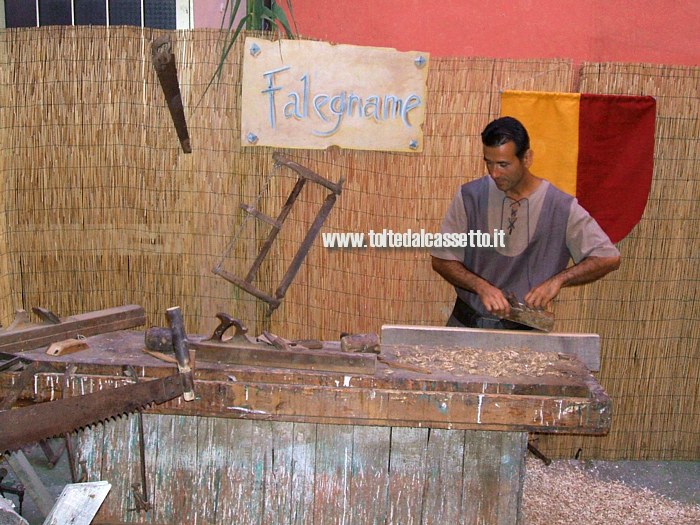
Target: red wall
[[656, 31]]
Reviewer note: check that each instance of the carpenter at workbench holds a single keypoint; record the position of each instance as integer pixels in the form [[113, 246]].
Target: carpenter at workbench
[[533, 227]]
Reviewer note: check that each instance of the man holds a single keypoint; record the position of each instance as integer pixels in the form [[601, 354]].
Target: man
[[542, 229]]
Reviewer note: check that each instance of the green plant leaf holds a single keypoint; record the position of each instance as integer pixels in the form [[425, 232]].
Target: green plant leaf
[[256, 14], [276, 13], [256, 9], [227, 46]]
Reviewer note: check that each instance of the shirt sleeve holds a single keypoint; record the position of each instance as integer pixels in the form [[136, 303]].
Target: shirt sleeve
[[585, 238], [455, 221]]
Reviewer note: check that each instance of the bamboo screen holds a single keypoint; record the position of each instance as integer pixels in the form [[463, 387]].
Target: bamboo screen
[[101, 208]]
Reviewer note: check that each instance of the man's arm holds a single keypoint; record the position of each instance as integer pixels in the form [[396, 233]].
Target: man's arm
[[455, 273], [586, 271]]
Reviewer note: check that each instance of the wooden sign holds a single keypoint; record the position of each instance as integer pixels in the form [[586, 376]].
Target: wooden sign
[[312, 95]]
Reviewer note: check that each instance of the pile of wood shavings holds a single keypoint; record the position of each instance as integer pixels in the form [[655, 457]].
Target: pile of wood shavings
[[504, 362], [562, 494]]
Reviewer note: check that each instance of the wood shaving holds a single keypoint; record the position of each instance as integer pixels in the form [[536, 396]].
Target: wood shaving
[[464, 361], [562, 494]]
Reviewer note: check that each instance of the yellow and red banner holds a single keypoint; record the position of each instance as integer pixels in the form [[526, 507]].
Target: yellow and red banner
[[598, 148]]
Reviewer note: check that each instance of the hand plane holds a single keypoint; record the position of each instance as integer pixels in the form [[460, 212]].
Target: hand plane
[[523, 314]]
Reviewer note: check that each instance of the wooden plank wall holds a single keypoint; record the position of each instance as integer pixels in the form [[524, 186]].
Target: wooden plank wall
[[221, 471], [101, 208]]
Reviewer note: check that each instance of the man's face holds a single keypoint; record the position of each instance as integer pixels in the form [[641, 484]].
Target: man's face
[[506, 169]]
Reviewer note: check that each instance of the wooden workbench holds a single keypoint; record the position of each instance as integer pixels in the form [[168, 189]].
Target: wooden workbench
[[272, 445]]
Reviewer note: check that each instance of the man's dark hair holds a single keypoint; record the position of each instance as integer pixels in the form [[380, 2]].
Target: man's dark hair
[[506, 129]]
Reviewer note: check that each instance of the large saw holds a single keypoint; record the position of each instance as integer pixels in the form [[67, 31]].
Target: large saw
[[26, 425]]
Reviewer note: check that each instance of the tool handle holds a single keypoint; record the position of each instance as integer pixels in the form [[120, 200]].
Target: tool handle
[[177, 326]]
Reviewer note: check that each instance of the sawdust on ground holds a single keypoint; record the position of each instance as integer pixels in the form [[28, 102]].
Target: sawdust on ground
[[563, 494]]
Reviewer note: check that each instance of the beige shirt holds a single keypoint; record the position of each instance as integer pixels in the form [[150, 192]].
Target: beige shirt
[[518, 220]]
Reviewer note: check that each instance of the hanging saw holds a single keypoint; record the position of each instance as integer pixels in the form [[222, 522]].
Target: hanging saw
[[27, 425]]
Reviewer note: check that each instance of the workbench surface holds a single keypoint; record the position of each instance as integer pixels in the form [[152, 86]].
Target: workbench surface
[[452, 388]]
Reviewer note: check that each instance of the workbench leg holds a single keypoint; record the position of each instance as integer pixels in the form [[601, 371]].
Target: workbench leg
[[51, 456]]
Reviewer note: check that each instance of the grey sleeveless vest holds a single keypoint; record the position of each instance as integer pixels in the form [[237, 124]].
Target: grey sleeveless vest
[[545, 256]]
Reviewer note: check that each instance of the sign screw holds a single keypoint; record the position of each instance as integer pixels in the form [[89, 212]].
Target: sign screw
[[413, 144], [255, 50], [420, 61], [252, 138]]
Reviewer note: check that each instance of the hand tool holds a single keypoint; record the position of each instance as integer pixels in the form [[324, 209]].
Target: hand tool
[[304, 174], [523, 314], [140, 490], [68, 346], [164, 63], [26, 425], [360, 343], [182, 354]]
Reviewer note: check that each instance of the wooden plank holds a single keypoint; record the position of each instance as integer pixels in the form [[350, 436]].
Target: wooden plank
[[260, 464], [243, 475], [217, 471], [586, 347], [174, 470], [317, 360], [78, 503], [212, 445], [494, 470], [369, 483], [407, 475], [333, 469], [31, 481], [391, 408], [369, 406], [92, 323], [183, 490], [512, 476], [480, 488], [120, 467], [443, 478], [89, 453], [277, 505], [303, 471]]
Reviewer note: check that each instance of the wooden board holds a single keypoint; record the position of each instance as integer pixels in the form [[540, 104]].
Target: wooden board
[[108, 353], [585, 347], [297, 358], [312, 95], [83, 325], [369, 499], [407, 474], [78, 503], [573, 402], [214, 471]]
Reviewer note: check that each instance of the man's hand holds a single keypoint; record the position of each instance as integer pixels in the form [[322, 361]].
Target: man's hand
[[493, 299], [455, 273], [540, 296]]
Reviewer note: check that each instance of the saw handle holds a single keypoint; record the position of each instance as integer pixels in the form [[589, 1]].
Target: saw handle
[[177, 326]]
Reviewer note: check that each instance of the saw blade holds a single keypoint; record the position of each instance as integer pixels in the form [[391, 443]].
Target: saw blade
[[27, 425]]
